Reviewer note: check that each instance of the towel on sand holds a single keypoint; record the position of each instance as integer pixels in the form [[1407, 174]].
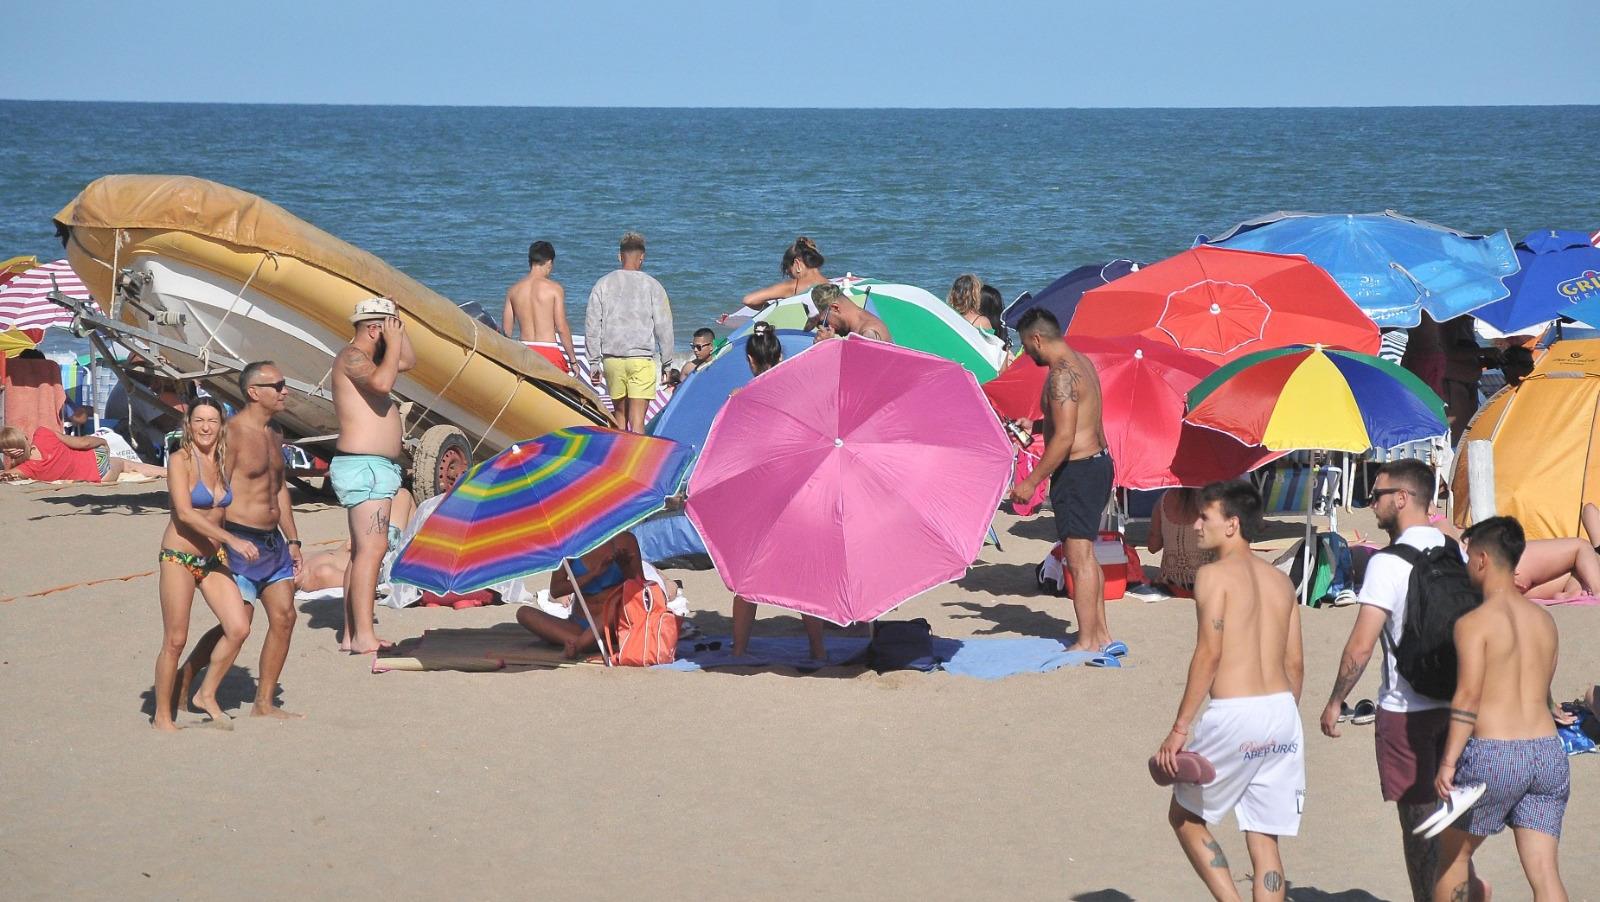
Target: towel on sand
[[984, 659], [34, 396]]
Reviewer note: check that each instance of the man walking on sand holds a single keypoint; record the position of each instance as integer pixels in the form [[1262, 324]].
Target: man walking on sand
[[536, 307], [629, 330], [1410, 729], [262, 514], [365, 470], [1502, 732], [1248, 659], [1079, 468]]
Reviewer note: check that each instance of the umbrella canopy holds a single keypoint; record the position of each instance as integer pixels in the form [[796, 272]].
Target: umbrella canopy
[[1221, 304], [15, 341], [24, 298], [1300, 398], [915, 318], [537, 503], [1143, 384], [1391, 265], [1061, 296], [1560, 276], [695, 403], [849, 479]]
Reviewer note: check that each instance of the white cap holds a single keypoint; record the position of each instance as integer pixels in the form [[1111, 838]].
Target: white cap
[[373, 308]]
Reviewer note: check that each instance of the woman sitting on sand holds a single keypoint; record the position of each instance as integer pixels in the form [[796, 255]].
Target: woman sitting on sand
[[192, 557], [52, 457], [601, 574], [802, 263], [764, 352], [1172, 534], [966, 297]]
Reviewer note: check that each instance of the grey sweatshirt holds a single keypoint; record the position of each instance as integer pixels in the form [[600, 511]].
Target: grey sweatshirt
[[628, 316]]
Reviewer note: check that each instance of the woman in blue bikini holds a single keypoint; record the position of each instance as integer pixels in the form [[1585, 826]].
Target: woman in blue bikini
[[600, 575], [193, 557]]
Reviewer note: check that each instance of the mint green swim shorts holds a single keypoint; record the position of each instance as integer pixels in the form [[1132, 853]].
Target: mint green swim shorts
[[358, 478]]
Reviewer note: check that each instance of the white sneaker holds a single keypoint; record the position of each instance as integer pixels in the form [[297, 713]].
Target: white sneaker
[[1461, 798]]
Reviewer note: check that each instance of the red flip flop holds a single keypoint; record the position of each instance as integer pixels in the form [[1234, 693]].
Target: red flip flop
[[1192, 768]]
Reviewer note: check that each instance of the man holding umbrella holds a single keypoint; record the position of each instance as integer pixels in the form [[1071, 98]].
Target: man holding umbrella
[[1079, 466]]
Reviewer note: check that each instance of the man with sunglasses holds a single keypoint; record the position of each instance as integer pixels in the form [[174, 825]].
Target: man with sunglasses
[[701, 346], [1411, 727], [262, 514]]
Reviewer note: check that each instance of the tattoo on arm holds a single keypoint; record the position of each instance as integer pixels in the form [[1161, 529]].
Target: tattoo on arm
[[1349, 675], [1272, 881], [357, 365], [1064, 383], [1467, 717], [1461, 892], [1216, 624], [1218, 860]]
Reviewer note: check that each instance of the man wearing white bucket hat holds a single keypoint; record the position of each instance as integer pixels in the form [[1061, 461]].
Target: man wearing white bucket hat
[[365, 470]]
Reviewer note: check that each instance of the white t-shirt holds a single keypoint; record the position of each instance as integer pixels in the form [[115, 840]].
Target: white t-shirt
[[1385, 585]]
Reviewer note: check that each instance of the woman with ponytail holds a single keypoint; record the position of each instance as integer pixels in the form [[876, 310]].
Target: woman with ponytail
[[802, 268]]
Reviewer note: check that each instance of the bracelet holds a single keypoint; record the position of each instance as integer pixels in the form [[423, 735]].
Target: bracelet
[[1178, 731], [295, 542]]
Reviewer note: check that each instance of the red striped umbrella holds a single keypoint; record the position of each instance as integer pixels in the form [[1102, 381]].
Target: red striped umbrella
[[24, 301]]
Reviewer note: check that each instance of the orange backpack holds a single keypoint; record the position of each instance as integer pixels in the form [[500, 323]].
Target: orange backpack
[[641, 630]]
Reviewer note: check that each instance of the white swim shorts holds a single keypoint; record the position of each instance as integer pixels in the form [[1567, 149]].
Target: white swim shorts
[[1258, 750]]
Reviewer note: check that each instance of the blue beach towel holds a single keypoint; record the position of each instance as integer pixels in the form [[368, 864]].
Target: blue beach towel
[[983, 658]]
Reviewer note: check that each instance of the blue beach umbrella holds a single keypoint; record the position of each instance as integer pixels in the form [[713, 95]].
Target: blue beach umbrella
[[687, 417], [1560, 277], [1061, 296], [1393, 267]]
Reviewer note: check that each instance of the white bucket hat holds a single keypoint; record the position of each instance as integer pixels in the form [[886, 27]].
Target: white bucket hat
[[373, 308]]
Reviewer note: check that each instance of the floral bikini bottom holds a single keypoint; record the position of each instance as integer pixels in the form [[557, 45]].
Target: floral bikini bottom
[[199, 567]]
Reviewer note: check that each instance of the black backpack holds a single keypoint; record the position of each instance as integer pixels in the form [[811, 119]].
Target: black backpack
[[1439, 593]]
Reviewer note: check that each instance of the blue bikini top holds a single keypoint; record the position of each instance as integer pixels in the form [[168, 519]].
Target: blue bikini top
[[202, 499]]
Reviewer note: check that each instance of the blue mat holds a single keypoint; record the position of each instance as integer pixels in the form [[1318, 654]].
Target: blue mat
[[984, 659]]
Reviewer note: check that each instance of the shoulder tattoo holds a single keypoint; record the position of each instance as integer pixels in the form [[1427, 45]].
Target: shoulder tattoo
[[1065, 383]]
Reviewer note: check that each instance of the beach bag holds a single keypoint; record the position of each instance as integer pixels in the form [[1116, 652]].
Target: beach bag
[[1439, 593], [902, 645], [1331, 572], [642, 630]]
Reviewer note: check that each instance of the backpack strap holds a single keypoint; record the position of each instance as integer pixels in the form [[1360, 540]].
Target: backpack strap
[[1405, 552]]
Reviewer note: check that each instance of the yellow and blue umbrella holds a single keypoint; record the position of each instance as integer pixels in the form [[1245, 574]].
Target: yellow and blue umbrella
[[1314, 398]]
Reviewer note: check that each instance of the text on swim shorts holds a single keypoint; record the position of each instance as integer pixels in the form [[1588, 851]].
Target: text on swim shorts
[[1252, 750]]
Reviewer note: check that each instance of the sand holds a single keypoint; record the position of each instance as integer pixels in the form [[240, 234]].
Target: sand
[[576, 782]]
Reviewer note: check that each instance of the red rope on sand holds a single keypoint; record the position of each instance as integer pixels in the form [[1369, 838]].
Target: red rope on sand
[[112, 579]]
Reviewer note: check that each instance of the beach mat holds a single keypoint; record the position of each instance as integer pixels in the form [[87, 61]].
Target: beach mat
[[504, 646], [982, 658]]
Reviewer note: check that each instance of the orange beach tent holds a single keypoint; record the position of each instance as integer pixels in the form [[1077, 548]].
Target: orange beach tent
[[1546, 437]]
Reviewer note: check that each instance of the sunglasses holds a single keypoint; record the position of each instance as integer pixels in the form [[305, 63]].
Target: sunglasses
[[700, 347], [278, 386], [1381, 492]]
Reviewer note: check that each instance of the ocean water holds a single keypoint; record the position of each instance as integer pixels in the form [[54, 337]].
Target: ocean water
[[453, 195]]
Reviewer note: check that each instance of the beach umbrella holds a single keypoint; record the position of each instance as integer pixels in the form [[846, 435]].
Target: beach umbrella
[[1061, 296], [1560, 276], [1392, 266], [695, 403], [1221, 304], [15, 341], [25, 302], [533, 506], [915, 317], [849, 479], [1316, 398]]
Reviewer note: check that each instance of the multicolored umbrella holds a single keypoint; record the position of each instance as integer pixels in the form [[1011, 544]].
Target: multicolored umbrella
[[849, 479], [539, 502], [1221, 304], [25, 301], [1391, 265], [1560, 276], [1316, 398], [915, 318]]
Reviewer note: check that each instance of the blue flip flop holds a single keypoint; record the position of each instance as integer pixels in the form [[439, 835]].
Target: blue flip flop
[[1103, 660], [1115, 648]]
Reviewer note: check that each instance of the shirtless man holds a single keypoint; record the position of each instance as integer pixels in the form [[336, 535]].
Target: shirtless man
[[537, 306], [837, 316], [262, 514], [1248, 658], [365, 470], [1079, 468], [1501, 729]]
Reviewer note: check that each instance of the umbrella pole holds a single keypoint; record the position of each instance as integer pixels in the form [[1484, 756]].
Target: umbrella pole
[[1306, 554], [599, 628]]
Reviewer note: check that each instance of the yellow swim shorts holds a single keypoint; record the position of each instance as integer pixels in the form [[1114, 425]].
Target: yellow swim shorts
[[632, 377]]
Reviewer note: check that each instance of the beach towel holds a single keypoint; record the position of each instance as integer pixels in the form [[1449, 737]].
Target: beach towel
[[979, 658], [34, 396]]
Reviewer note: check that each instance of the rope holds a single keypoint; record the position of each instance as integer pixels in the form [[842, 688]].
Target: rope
[[117, 579], [205, 349], [490, 428], [471, 352]]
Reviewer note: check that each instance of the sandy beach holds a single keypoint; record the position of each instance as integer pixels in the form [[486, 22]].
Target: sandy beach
[[578, 782]]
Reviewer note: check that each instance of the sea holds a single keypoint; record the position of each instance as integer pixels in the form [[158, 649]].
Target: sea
[[453, 195]]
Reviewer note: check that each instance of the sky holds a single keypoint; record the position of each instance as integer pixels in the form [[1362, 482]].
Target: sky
[[822, 53]]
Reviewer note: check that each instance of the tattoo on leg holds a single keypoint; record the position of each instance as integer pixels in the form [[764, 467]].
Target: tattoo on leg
[[380, 523], [1272, 881], [1461, 893], [1218, 860]]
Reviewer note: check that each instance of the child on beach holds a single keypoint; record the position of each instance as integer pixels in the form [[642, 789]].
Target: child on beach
[[192, 557], [1502, 734], [1248, 659]]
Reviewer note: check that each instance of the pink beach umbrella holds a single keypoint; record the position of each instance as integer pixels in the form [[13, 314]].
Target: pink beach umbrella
[[849, 479], [25, 299]]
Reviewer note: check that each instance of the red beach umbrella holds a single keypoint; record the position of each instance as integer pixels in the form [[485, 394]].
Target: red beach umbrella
[[1220, 304]]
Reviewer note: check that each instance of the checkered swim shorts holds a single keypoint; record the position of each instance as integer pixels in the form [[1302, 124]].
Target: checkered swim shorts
[[1527, 783]]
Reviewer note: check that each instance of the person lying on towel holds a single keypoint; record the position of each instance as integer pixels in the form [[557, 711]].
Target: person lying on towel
[[51, 457]]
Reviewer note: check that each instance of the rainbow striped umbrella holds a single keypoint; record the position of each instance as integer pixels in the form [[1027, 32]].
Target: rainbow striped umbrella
[[1315, 398], [534, 505]]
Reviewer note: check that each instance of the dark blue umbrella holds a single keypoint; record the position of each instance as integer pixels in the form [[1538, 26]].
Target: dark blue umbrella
[[687, 417], [1560, 277], [1061, 296]]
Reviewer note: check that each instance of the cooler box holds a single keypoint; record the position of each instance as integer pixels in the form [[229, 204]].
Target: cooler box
[[1116, 562]]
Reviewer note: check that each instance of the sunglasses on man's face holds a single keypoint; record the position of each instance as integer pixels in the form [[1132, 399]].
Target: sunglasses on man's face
[[1379, 493], [278, 386], [704, 347]]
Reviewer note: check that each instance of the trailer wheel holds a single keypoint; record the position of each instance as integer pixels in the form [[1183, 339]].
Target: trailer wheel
[[443, 456]]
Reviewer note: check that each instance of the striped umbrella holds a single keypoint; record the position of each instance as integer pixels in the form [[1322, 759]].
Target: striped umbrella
[[534, 505], [1314, 398], [24, 301]]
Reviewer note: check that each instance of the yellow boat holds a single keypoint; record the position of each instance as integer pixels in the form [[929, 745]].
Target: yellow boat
[[206, 278]]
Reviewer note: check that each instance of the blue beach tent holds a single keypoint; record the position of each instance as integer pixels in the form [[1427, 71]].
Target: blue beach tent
[[687, 417], [1560, 277]]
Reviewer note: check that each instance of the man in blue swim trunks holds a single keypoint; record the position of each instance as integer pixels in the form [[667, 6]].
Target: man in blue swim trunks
[[365, 470]]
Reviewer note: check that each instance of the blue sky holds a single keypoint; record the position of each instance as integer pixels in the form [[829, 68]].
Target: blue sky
[[824, 53]]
